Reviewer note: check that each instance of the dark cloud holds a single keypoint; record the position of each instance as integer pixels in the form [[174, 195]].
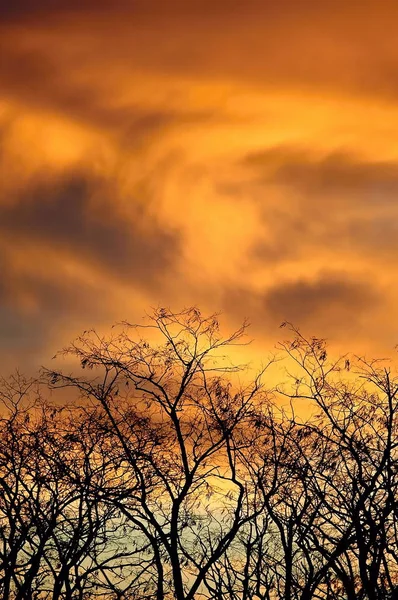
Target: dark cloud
[[331, 299], [37, 306], [336, 174], [297, 237], [304, 44], [25, 9], [332, 303], [337, 201], [44, 81], [77, 215], [53, 219], [376, 235]]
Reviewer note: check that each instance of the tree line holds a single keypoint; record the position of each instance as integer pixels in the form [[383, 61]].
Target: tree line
[[162, 472]]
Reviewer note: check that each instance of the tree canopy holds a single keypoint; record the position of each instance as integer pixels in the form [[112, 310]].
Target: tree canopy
[[158, 475]]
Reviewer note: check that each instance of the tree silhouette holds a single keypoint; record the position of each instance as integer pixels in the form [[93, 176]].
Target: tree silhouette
[[159, 474], [178, 431]]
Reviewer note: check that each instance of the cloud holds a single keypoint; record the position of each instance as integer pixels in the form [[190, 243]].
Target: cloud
[[179, 148], [327, 176], [293, 43], [55, 83], [333, 202], [332, 300], [39, 303], [74, 255], [334, 304], [77, 215]]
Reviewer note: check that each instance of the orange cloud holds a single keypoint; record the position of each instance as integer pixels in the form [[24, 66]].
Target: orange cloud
[[236, 155]]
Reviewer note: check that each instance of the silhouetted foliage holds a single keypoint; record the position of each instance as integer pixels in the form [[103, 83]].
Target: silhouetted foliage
[[164, 477]]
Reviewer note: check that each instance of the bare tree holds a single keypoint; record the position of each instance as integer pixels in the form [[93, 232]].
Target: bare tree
[[158, 474], [178, 430], [357, 426], [57, 539]]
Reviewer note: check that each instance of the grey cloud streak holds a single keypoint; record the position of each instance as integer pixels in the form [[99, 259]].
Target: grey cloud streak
[[62, 215], [333, 304], [336, 202], [301, 43], [332, 175], [36, 306], [74, 217]]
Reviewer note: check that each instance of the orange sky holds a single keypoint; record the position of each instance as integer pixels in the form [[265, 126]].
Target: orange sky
[[241, 156]]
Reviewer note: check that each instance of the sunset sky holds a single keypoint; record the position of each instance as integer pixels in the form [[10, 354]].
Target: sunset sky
[[237, 155]]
